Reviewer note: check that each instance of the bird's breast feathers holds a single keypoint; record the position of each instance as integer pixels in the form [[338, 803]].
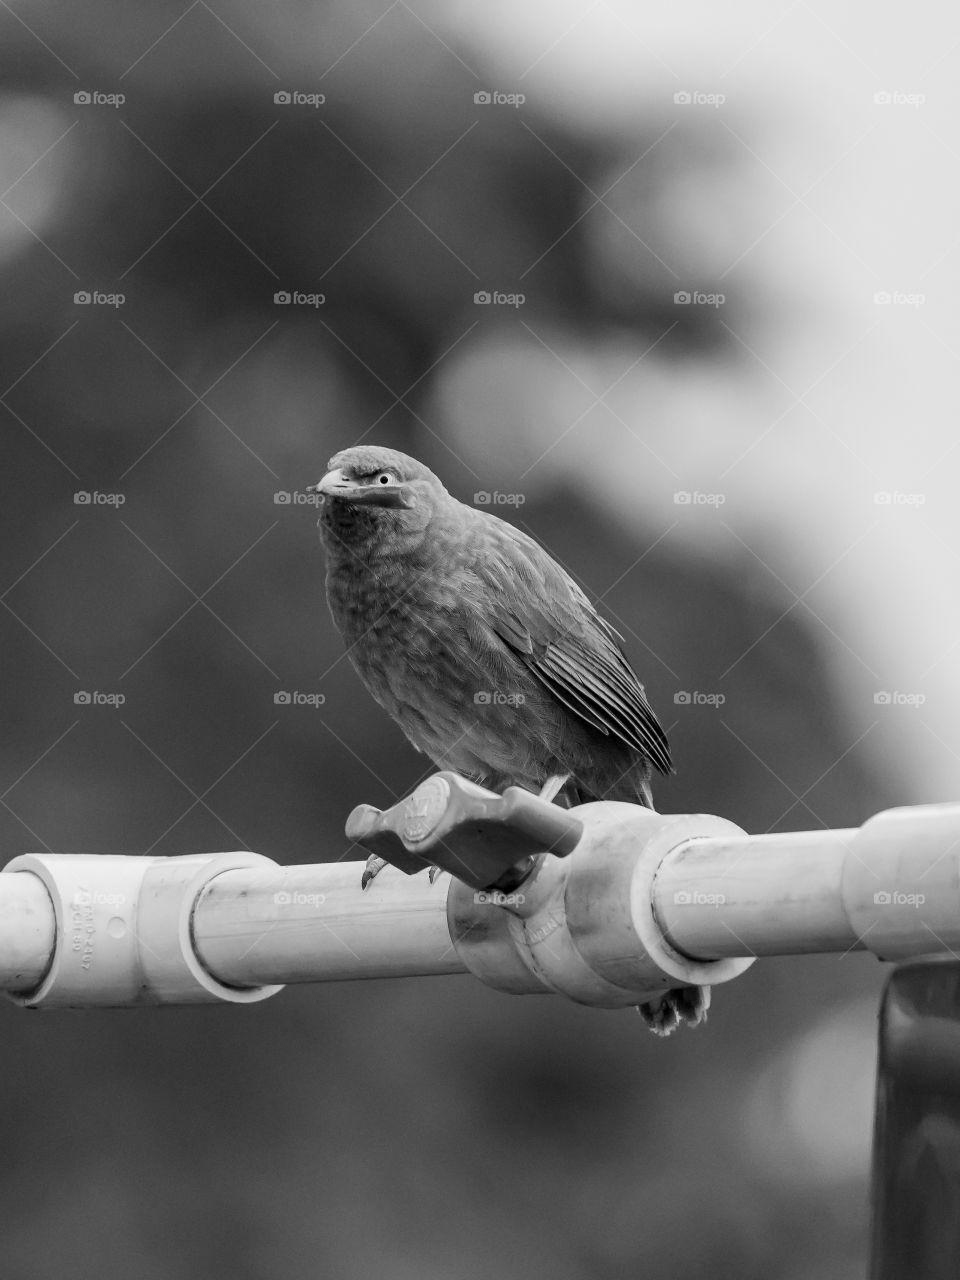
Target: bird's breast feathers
[[427, 656]]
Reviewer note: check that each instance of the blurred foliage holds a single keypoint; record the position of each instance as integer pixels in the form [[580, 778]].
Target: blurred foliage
[[415, 1128]]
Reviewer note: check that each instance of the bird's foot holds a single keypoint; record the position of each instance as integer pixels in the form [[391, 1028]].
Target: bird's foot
[[375, 865], [553, 786], [370, 872], [683, 1004]]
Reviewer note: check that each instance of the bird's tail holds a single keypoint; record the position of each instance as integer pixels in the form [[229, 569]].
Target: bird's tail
[[682, 1004]]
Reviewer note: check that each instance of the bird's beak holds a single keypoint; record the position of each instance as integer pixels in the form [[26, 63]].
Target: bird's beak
[[336, 485], [332, 485]]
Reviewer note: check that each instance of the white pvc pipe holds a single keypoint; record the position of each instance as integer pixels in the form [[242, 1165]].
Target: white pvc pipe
[[302, 924], [757, 895], [26, 931], [235, 926]]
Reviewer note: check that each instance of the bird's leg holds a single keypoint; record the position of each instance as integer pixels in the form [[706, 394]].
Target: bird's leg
[[553, 786], [373, 868]]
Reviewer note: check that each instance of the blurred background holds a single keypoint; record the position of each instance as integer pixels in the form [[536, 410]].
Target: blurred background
[[678, 282]]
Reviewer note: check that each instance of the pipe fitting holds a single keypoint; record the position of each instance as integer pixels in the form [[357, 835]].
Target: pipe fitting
[[123, 929], [901, 876], [584, 926]]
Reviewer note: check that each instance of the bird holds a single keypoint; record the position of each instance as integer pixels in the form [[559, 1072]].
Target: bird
[[484, 650]]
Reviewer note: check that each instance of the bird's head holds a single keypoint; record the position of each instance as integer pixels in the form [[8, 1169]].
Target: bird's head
[[370, 492]]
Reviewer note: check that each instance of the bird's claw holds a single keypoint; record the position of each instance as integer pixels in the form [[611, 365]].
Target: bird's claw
[[375, 865], [683, 1004], [373, 868]]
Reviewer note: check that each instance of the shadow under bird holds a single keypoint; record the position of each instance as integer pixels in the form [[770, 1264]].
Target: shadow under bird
[[484, 650]]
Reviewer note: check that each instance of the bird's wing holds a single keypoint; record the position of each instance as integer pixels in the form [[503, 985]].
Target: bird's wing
[[541, 614]]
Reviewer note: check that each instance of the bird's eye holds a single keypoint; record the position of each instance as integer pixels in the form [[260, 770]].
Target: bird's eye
[[386, 477]]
